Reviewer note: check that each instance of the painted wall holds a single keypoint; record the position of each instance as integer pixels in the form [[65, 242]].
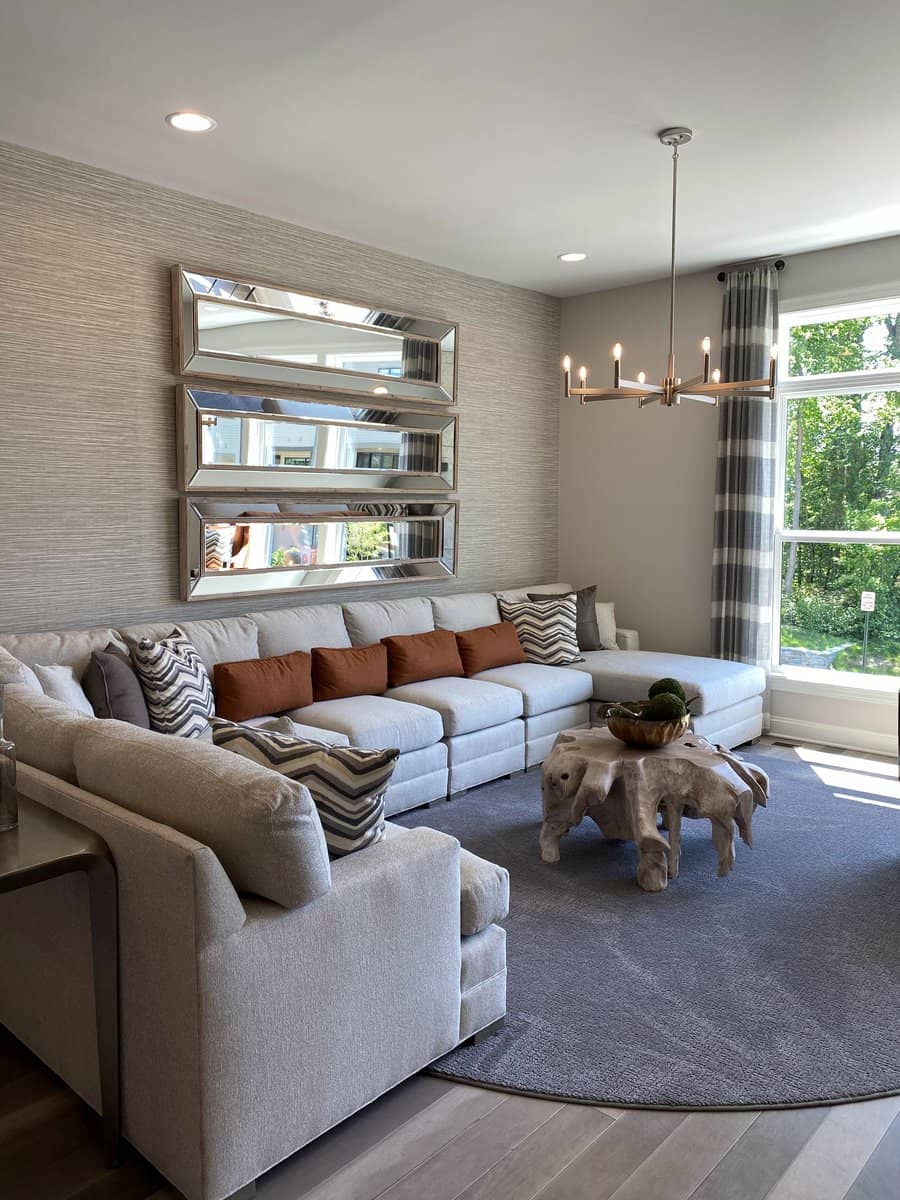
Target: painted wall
[[637, 487], [87, 453]]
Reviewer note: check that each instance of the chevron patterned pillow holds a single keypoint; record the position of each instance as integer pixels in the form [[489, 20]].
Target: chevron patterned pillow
[[547, 628], [175, 683], [347, 784]]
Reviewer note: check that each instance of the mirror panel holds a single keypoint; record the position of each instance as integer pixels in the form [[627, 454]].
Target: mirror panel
[[230, 329], [242, 548], [238, 442]]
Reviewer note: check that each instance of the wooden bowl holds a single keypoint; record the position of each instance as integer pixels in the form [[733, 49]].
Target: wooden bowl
[[647, 735]]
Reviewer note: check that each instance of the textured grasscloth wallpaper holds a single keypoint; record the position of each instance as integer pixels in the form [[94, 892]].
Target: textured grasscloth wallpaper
[[87, 409]]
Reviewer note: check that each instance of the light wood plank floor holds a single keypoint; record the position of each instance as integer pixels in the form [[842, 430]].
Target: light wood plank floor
[[434, 1140]]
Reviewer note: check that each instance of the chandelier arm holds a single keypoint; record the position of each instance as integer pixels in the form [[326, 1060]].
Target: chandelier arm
[[713, 400], [587, 394], [736, 385]]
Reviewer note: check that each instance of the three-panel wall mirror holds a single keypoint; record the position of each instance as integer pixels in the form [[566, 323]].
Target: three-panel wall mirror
[[227, 328], [238, 441], [241, 547]]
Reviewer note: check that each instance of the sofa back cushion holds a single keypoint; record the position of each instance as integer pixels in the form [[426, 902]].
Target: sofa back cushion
[[262, 686], [14, 671], [417, 656], [543, 589], [358, 671], [262, 827], [372, 620], [221, 639], [283, 630], [491, 646], [43, 730], [472, 610], [69, 647]]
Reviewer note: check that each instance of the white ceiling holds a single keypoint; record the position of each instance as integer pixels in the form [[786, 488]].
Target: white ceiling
[[486, 135]]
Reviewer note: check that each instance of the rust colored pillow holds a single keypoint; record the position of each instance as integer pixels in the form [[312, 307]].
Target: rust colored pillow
[[489, 646], [261, 686], [357, 671], [416, 656]]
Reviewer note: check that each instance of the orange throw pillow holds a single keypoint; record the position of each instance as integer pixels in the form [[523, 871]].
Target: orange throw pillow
[[358, 671], [489, 646], [416, 656], [261, 686]]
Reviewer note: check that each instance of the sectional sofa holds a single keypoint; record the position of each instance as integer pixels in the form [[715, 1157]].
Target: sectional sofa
[[267, 993]]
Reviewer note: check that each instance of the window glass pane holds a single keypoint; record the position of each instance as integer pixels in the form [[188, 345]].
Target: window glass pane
[[864, 343], [842, 469], [822, 625]]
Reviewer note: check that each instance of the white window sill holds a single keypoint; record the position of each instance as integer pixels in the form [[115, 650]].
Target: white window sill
[[813, 682]]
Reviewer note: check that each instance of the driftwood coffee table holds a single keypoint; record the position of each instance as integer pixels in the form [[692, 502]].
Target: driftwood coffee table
[[591, 773]]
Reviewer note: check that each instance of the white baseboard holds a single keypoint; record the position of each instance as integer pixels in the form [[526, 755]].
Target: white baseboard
[[833, 735]]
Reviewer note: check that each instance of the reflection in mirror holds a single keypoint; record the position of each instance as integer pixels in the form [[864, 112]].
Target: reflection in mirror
[[236, 549], [248, 441], [249, 331]]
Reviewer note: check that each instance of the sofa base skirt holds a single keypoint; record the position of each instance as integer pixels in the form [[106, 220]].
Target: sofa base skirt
[[487, 754], [420, 777], [734, 725], [541, 731], [482, 980]]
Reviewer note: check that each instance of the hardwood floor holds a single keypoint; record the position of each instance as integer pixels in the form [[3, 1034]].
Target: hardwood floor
[[434, 1140]]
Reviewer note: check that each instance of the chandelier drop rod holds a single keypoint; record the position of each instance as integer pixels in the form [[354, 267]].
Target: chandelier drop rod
[[705, 388]]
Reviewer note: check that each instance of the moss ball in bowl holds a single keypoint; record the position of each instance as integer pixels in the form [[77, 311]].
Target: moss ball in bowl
[[651, 723]]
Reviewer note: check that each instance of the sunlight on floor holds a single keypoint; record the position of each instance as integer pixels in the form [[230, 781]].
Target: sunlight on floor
[[847, 775]]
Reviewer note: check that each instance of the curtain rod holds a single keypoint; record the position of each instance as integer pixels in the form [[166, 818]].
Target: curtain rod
[[777, 263]]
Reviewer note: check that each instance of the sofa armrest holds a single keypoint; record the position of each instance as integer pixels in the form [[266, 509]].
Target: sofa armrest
[[628, 639], [309, 1014]]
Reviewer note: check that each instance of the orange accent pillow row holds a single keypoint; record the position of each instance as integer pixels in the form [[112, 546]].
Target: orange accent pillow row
[[357, 671], [261, 686], [417, 656], [490, 646]]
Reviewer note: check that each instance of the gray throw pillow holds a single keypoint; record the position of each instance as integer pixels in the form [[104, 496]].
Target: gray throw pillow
[[114, 690], [587, 629]]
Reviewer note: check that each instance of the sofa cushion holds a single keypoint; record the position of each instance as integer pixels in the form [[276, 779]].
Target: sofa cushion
[[356, 671], [465, 705], [262, 685], [281, 630], [176, 685], [70, 647], [472, 610], [416, 656], [546, 628], [59, 683], [285, 725], [220, 639], [346, 783], [489, 646], [483, 893], [372, 620], [114, 690], [543, 688], [14, 671], [375, 722], [716, 682], [263, 828], [44, 731]]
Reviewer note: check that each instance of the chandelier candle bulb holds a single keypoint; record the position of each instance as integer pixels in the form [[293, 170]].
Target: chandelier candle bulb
[[716, 375], [567, 376], [642, 378], [773, 365]]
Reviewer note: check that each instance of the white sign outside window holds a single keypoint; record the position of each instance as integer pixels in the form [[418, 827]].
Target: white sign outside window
[[867, 602]]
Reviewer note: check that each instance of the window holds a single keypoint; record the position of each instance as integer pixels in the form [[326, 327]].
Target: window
[[838, 520]]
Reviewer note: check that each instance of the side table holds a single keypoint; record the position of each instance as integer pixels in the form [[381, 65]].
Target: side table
[[44, 846]]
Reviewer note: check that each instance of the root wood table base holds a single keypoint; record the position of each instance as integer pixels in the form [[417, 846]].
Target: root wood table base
[[591, 773]]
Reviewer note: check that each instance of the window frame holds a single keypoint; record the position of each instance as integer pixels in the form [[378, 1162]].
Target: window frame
[[800, 387]]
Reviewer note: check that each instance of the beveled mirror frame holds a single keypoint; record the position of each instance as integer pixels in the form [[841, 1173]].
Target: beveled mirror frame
[[199, 511], [197, 404], [191, 360]]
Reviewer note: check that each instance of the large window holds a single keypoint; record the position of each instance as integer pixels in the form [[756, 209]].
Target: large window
[[838, 522]]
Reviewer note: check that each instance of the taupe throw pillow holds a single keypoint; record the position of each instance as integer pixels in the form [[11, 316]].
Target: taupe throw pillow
[[114, 690], [587, 629]]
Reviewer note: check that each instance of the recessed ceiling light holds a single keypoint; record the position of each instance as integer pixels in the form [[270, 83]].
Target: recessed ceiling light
[[572, 256], [190, 122]]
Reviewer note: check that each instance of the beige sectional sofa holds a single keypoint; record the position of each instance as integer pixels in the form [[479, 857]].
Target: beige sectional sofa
[[267, 993]]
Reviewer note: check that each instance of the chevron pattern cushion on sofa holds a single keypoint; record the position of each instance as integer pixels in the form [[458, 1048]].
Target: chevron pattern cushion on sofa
[[176, 685], [547, 628], [346, 784]]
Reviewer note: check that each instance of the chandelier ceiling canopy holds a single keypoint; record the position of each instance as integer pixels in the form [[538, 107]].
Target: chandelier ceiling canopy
[[706, 387]]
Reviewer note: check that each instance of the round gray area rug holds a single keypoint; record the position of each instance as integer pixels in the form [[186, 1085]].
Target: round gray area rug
[[777, 985]]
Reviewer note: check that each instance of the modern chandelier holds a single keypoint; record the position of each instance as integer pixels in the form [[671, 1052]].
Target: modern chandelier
[[706, 387]]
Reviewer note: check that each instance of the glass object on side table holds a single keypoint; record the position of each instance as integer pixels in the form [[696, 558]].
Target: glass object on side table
[[9, 803]]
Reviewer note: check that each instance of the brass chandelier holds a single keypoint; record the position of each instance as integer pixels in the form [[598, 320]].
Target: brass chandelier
[[706, 387]]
